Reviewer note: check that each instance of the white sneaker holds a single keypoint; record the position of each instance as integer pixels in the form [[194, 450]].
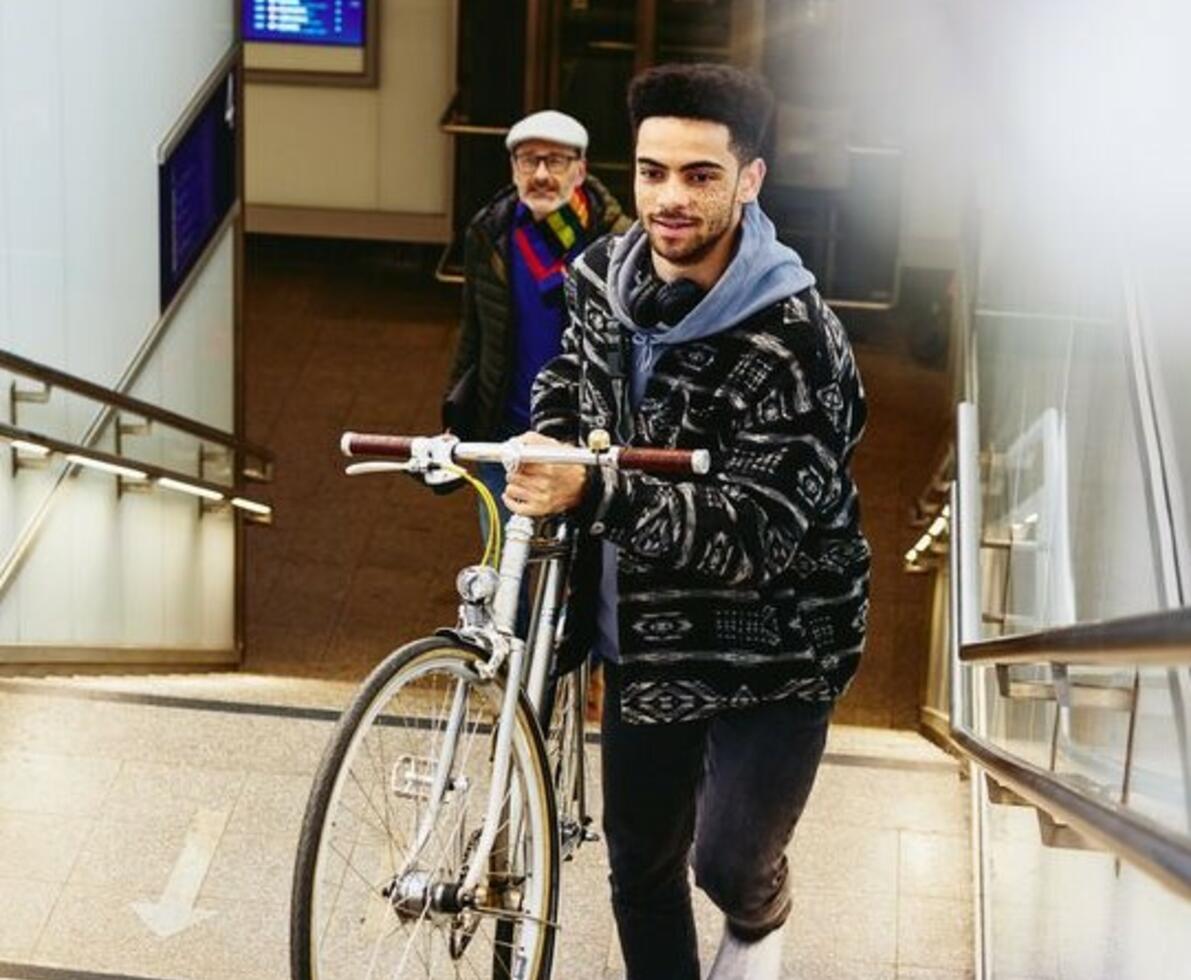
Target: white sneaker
[[738, 960]]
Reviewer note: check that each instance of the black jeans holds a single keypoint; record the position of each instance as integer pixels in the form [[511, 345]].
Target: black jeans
[[734, 785]]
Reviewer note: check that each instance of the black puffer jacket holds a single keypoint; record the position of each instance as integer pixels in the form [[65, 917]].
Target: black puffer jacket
[[486, 336], [749, 584]]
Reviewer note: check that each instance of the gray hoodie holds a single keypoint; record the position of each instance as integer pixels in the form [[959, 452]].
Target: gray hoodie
[[762, 272]]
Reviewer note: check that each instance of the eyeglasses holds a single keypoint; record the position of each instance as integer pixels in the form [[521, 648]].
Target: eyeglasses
[[556, 163]]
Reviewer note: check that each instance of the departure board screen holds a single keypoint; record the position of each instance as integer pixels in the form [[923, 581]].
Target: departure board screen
[[196, 186], [334, 22]]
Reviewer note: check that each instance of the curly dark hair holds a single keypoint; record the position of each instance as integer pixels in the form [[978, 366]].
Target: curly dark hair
[[712, 92]]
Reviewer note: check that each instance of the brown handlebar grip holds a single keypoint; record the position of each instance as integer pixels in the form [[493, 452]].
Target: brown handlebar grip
[[367, 444], [670, 461]]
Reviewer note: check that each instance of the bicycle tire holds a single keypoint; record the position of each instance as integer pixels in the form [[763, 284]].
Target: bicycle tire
[[342, 925]]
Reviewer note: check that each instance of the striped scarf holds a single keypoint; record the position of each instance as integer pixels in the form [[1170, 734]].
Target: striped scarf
[[548, 245]]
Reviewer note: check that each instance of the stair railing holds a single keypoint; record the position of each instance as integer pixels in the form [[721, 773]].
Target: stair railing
[[246, 461], [1156, 639]]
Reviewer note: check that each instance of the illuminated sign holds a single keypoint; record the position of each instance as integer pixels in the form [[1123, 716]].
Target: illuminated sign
[[196, 184], [330, 22]]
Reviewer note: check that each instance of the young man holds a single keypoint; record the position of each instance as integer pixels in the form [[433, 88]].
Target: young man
[[731, 608], [516, 253]]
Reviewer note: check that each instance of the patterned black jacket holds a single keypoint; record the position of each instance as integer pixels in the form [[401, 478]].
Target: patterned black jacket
[[487, 337], [749, 584]]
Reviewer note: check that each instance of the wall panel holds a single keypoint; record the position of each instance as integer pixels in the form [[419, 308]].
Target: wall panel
[[87, 94], [373, 150]]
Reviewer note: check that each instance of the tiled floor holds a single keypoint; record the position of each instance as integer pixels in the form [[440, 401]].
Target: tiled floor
[[106, 802]]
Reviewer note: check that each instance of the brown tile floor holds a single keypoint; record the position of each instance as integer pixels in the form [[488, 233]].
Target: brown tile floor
[[345, 335], [341, 336]]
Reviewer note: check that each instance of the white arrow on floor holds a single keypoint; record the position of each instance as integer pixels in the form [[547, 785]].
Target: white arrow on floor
[[175, 911]]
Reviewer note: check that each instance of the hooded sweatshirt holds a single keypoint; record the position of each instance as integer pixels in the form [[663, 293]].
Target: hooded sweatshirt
[[762, 272]]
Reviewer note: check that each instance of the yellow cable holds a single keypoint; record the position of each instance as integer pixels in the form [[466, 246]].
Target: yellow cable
[[493, 543]]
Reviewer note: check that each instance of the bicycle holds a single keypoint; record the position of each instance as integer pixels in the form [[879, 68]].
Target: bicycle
[[452, 787]]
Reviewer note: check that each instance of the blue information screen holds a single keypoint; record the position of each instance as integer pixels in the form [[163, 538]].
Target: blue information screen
[[336, 22], [196, 187]]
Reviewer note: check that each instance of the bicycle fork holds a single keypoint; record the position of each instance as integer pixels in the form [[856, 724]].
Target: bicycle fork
[[512, 568], [414, 891]]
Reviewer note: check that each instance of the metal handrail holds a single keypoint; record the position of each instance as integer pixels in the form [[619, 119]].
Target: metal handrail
[[151, 470], [107, 396], [1162, 853], [1153, 639], [1163, 637], [452, 121], [930, 501]]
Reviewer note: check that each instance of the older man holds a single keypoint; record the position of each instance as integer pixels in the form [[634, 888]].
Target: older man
[[517, 251]]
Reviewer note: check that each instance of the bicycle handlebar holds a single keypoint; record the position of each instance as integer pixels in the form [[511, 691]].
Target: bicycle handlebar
[[372, 444], [447, 448], [677, 461]]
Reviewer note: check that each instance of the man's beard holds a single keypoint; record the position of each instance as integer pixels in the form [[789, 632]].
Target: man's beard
[[544, 199], [692, 254]]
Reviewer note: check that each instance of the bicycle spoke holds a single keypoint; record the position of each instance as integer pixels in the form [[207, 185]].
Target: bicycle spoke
[[384, 777], [394, 778]]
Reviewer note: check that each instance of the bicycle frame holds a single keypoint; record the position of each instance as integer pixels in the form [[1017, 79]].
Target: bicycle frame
[[488, 616]]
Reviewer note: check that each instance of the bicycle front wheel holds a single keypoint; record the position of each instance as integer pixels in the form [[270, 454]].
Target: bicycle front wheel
[[395, 813]]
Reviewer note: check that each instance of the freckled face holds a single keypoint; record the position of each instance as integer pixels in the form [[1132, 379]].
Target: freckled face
[[690, 188]]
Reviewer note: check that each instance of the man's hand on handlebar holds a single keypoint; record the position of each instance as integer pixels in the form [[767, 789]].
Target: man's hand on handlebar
[[539, 489]]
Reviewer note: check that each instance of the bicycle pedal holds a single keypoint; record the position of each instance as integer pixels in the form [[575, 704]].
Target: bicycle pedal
[[412, 778], [590, 836]]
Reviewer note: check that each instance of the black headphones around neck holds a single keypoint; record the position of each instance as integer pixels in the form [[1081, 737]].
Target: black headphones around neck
[[653, 301]]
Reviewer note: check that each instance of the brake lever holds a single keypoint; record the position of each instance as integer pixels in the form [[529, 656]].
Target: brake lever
[[376, 466], [438, 479]]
